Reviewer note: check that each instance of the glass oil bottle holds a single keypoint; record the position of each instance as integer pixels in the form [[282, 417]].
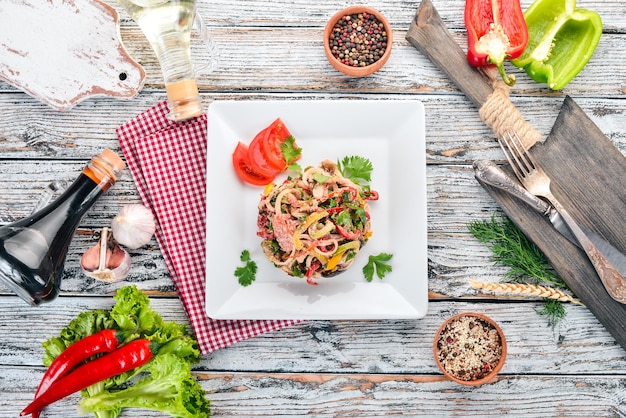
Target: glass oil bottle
[[33, 249], [167, 24]]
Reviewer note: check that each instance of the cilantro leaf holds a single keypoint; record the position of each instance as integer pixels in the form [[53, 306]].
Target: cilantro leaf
[[295, 167], [290, 150], [247, 273], [378, 264], [356, 168]]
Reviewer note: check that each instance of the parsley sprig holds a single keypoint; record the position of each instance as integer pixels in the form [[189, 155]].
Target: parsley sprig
[[246, 274], [355, 168], [378, 264], [291, 153]]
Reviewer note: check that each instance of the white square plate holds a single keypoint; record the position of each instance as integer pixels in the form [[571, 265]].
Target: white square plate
[[388, 132]]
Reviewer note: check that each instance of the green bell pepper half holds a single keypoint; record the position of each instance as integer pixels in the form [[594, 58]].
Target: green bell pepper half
[[562, 39]]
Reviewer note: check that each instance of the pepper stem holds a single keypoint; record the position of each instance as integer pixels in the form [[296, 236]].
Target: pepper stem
[[508, 80]]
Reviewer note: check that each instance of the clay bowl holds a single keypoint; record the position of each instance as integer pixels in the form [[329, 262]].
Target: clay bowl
[[359, 71], [478, 364]]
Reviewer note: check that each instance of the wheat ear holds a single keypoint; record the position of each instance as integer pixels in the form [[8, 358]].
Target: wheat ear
[[525, 290]]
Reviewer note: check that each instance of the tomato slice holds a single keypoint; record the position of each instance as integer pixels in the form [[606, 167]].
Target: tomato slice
[[245, 170], [257, 157], [276, 134]]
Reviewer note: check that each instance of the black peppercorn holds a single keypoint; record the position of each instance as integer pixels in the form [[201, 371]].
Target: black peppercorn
[[358, 40]]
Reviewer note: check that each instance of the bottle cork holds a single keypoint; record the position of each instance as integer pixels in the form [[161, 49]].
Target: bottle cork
[[183, 99], [113, 159], [105, 167]]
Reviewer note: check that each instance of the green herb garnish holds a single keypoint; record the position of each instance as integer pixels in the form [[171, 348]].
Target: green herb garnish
[[554, 310], [247, 273], [356, 168], [290, 151], [526, 262], [378, 264]]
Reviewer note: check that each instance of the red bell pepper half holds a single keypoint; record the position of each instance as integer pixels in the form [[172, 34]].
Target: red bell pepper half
[[496, 31]]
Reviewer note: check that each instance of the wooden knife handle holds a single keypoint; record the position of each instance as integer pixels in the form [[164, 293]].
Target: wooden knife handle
[[431, 37]]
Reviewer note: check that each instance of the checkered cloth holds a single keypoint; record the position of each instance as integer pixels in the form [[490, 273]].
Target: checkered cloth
[[168, 164]]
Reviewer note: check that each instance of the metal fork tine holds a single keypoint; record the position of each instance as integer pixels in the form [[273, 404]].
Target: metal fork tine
[[529, 160], [537, 182], [511, 157]]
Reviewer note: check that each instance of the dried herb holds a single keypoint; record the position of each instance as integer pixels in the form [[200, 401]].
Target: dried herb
[[527, 264]]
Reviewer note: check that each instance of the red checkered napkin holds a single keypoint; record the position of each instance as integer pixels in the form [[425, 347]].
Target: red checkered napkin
[[168, 164]]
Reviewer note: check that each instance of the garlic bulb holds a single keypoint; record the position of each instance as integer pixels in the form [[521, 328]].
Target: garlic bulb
[[134, 226], [106, 261]]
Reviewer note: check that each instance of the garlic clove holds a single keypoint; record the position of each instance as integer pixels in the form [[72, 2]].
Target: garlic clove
[[106, 261], [134, 226]]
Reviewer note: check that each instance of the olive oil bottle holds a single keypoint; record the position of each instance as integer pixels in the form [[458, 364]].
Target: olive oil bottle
[[167, 25]]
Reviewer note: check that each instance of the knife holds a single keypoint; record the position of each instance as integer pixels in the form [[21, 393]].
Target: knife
[[487, 172]]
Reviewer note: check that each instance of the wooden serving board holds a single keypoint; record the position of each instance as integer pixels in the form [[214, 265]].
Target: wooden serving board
[[588, 176], [64, 51]]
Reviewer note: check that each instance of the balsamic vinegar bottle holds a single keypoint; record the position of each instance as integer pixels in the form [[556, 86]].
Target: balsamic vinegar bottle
[[33, 249]]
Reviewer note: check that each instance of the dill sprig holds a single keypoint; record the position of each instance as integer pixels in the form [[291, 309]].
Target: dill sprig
[[527, 264], [554, 310], [512, 249]]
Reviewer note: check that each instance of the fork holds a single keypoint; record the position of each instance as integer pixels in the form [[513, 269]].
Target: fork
[[537, 182]]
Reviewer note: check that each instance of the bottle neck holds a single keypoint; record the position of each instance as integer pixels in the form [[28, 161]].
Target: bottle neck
[[174, 55], [104, 169], [183, 100]]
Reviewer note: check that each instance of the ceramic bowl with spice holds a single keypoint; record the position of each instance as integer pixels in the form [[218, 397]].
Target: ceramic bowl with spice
[[470, 348], [357, 40]]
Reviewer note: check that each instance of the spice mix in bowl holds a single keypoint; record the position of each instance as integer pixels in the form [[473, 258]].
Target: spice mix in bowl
[[357, 40], [470, 348]]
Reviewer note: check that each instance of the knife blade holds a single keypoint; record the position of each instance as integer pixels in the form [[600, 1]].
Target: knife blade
[[487, 172]]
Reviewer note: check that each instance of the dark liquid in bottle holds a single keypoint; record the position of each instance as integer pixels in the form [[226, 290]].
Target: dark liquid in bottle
[[33, 249]]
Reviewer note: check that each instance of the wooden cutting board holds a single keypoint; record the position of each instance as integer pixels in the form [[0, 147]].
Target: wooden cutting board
[[588, 176], [64, 51]]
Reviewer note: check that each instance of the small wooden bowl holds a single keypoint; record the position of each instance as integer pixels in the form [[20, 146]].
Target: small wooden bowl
[[484, 359], [347, 69]]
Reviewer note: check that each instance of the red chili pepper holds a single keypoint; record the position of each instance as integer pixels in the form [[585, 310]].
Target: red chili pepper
[[496, 31], [125, 358], [104, 341]]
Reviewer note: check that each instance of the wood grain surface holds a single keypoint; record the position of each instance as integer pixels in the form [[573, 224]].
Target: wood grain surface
[[273, 50]]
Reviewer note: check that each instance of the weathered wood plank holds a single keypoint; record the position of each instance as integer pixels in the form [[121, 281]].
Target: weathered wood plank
[[331, 395], [304, 13], [31, 130], [577, 345], [272, 59]]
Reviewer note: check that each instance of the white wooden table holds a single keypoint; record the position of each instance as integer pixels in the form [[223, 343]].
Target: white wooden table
[[273, 49]]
